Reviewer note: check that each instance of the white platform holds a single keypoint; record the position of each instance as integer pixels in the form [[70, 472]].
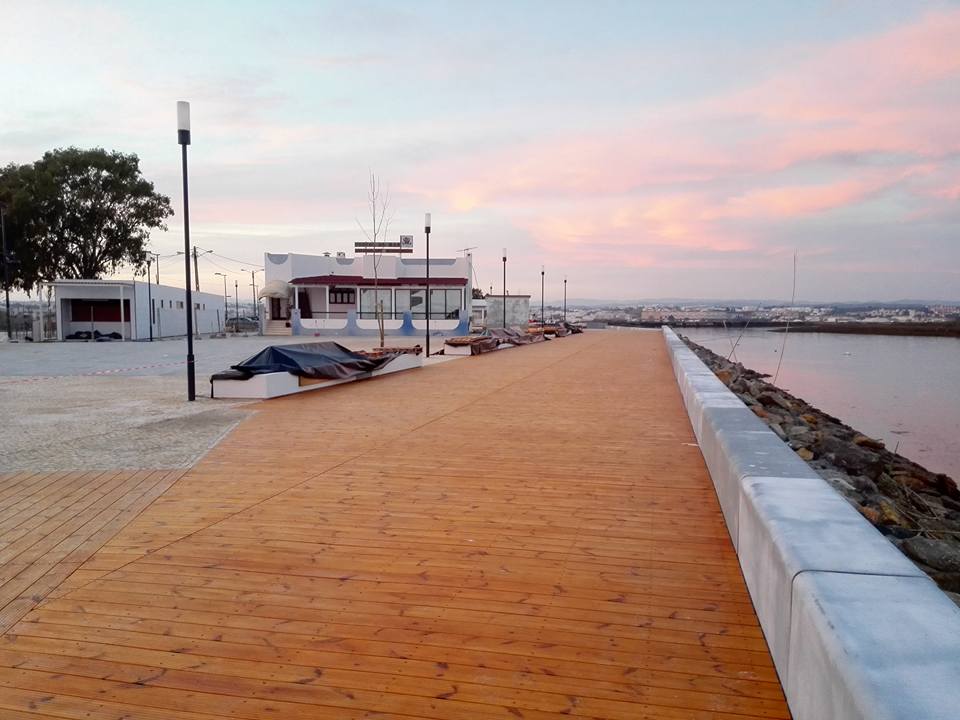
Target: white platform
[[271, 385]]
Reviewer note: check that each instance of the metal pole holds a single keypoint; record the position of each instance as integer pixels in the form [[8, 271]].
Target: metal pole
[[236, 302], [191, 369], [542, 318], [123, 335], [504, 288], [6, 273], [427, 230], [564, 298], [196, 270], [150, 299]]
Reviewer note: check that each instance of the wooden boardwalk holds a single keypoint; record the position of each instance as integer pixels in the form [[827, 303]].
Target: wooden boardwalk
[[528, 534], [51, 523]]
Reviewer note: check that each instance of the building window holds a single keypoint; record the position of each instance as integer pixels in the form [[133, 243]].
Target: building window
[[445, 304], [179, 304], [412, 301], [369, 297], [343, 296]]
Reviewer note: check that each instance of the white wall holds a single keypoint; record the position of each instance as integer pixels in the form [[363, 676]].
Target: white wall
[[170, 320]]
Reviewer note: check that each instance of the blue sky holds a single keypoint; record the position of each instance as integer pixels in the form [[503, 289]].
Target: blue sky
[[642, 149]]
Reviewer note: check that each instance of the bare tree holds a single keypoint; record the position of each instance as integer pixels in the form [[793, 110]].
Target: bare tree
[[378, 202]]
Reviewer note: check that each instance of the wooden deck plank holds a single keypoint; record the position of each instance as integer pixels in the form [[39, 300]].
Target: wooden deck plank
[[529, 534], [72, 516]]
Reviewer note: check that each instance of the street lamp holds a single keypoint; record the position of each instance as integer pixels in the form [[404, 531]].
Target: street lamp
[[256, 300], [7, 262], [150, 295], [504, 288], [236, 305], [183, 137], [564, 298], [426, 229], [224, 276], [542, 319]]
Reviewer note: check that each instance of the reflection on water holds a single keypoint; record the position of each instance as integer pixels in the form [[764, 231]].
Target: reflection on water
[[903, 390]]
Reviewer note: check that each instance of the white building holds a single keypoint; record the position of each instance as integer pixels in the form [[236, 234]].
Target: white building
[[318, 294], [128, 307], [518, 310]]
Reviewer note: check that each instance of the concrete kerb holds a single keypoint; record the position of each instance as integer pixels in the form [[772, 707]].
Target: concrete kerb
[[873, 646], [795, 525], [847, 617]]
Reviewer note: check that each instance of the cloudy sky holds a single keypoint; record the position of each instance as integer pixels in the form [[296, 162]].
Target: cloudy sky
[[644, 149]]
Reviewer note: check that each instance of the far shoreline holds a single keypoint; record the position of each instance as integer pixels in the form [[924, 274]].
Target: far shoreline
[[914, 329]]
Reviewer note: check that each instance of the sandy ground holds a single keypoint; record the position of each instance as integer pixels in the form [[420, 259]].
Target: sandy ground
[[69, 406]]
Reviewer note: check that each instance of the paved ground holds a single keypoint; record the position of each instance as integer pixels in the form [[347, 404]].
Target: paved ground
[[119, 405], [527, 534]]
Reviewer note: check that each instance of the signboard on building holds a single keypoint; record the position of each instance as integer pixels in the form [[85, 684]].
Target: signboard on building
[[385, 247]]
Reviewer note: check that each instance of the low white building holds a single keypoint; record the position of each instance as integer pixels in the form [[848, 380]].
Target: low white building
[[319, 294], [517, 308], [130, 307]]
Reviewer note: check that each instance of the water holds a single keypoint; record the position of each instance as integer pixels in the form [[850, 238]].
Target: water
[[902, 390]]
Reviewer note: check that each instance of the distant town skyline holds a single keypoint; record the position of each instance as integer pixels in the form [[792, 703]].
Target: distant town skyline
[[642, 149]]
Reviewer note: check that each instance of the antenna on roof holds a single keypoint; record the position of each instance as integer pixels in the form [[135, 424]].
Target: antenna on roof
[[466, 250]]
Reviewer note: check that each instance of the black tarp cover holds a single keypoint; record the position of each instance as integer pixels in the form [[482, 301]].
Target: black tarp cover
[[328, 360]]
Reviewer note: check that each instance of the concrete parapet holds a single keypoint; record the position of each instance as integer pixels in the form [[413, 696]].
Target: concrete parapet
[[856, 631]]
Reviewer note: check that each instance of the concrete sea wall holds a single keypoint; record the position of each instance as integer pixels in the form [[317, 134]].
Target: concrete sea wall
[[855, 629]]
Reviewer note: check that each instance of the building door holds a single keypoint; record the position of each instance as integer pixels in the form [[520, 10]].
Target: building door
[[305, 311]]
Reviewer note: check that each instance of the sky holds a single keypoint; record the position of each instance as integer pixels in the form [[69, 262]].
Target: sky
[[640, 149]]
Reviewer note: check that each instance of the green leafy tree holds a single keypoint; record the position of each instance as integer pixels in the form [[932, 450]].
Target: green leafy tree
[[79, 214]]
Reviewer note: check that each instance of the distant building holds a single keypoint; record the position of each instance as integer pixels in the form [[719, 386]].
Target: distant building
[[130, 308], [321, 294]]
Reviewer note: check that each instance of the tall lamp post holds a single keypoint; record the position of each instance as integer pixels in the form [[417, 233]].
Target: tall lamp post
[[564, 298], [224, 276], [7, 262], [150, 295], [157, 256], [256, 300], [426, 229], [183, 137], [236, 305], [542, 318], [504, 288]]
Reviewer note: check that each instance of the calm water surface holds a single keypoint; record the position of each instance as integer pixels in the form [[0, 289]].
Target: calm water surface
[[902, 390]]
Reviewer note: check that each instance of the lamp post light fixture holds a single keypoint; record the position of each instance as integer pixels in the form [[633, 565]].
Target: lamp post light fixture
[[426, 229], [504, 288], [543, 320], [183, 137]]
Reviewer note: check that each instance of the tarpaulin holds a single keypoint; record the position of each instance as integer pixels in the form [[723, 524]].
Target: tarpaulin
[[328, 360]]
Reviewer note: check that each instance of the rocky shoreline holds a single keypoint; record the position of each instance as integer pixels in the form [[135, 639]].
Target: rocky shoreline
[[917, 510]]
